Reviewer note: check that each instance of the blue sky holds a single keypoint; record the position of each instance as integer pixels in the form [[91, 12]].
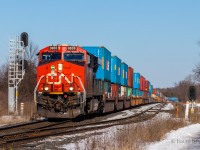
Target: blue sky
[[158, 38]]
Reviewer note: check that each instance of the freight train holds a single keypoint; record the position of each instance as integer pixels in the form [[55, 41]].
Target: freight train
[[74, 81]]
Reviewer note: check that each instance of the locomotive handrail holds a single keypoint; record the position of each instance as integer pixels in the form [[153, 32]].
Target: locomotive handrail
[[84, 93], [36, 90]]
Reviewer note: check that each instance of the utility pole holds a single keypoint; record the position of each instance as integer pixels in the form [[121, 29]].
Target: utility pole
[[16, 69]]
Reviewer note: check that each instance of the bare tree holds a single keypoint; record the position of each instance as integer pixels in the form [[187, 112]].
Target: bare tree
[[28, 84], [3, 88], [31, 52]]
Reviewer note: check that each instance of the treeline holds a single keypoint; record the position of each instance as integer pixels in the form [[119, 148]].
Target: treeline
[[181, 88]]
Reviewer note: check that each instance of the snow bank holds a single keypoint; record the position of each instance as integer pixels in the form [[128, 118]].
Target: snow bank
[[169, 106], [181, 139]]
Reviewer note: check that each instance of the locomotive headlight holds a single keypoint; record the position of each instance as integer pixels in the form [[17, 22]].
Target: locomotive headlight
[[71, 88], [46, 88], [60, 67]]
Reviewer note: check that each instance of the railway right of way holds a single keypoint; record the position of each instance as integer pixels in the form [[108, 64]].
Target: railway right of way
[[67, 128]]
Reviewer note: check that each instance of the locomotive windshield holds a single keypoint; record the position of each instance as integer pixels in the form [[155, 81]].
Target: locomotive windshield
[[73, 56], [49, 57]]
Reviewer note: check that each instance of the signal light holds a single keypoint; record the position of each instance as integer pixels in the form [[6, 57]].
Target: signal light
[[24, 38], [192, 93]]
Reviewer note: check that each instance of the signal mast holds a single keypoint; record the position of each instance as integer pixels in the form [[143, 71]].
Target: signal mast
[[16, 69]]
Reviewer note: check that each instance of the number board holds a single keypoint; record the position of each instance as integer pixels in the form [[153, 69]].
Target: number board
[[53, 48], [71, 48]]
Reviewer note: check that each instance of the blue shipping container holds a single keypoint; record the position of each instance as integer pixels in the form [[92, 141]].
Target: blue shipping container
[[150, 88], [136, 84], [124, 74], [175, 99], [141, 93], [115, 70], [136, 92], [104, 71]]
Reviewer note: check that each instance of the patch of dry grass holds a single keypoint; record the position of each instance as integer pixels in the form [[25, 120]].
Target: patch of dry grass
[[134, 136]]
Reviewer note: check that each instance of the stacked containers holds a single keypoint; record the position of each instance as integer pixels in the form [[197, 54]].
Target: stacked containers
[[115, 90], [130, 77], [155, 91], [150, 88], [115, 76], [115, 70], [124, 74], [130, 81], [142, 83], [136, 84], [124, 79], [146, 86], [104, 71]]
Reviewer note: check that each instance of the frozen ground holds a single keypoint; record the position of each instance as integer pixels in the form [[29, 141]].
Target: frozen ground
[[187, 138], [98, 140], [169, 106], [93, 140], [130, 112]]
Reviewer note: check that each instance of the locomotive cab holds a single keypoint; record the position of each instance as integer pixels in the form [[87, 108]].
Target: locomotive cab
[[65, 76]]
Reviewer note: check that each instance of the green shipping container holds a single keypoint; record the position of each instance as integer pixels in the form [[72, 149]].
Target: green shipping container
[[129, 91]]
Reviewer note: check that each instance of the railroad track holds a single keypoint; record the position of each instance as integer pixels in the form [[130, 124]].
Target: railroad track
[[61, 128]]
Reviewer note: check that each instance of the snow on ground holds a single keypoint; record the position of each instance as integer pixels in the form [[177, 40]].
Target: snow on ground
[[88, 139], [169, 106], [131, 112], [186, 138]]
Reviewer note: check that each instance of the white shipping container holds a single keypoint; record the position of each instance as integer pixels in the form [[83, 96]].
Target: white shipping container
[[123, 91]]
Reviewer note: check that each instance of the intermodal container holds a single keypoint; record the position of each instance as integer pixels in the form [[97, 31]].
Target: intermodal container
[[115, 90], [150, 88], [175, 99], [140, 93], [146, 86], [136, 79], [129, 91], [145, 94], [155, 91], [130, 77], [106, 87], [136, 92], [115, 70], [158, 93], [104, 70], [142, 83], [124, 74], [123, 91]]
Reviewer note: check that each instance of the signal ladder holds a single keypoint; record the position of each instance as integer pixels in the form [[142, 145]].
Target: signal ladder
[[16, 72]]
